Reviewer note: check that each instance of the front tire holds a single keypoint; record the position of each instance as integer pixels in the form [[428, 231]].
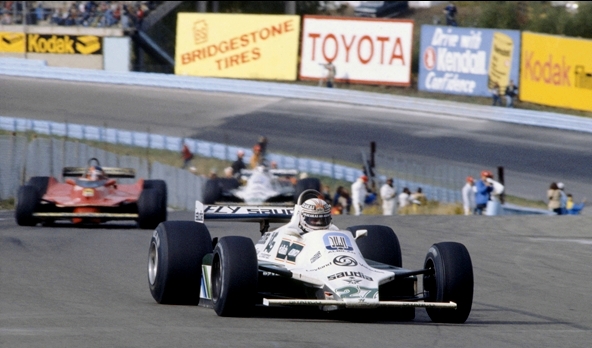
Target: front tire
[[27, 201], [150, 209], [174, 261], [451, 280], [380, 245], [234, 277], [161, 187]]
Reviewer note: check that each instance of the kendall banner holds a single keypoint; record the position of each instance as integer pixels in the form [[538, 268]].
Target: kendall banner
[[467, 61], [363, 50], [556, 71]]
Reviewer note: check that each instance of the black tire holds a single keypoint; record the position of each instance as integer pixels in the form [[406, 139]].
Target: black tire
[[176, 251], [452, 280], [212, 191], [161, 187], [228, 184], [380, 245], [26, 204], [40, 182], [306, 184], [150, 207], [234, 277]]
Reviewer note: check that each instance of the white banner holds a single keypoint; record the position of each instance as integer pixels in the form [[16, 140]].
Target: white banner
[[363, 50]]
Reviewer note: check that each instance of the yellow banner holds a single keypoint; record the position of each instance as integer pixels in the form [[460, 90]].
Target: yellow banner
[[556, 71], [237, 45], [12, 42]]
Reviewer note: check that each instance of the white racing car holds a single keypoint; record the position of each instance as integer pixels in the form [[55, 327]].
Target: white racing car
[[332, 269], [261, 185]]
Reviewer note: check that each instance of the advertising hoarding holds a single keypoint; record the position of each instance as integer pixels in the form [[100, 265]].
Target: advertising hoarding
[[12, 42], [467, 61], [556, 71], [363, 50], [237, 45]]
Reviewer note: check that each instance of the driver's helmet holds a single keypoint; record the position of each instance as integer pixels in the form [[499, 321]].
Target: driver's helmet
[[95, 173], [315, 214]]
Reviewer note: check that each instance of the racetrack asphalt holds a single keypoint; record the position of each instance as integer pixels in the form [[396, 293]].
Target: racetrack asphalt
[[68, 286], [533, 157]]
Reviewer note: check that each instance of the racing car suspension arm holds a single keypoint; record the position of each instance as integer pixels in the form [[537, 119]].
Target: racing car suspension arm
[[427, 271]]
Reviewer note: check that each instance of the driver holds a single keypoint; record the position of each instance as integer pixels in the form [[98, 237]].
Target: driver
[[95, 173], [315, 214]]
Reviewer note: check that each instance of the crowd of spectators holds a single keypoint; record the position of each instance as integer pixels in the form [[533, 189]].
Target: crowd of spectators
[[105, 14]]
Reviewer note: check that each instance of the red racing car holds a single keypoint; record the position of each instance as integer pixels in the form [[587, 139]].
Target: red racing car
[[92, 196]]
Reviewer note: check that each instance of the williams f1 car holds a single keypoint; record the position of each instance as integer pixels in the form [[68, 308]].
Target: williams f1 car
[[262, 185], [93, 196], [359, 268]]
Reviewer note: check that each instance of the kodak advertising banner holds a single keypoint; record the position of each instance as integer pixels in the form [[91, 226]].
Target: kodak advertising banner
[[12, 42], [64, 44], [467, 61], [362, 50], [237, 45], [556, 71]]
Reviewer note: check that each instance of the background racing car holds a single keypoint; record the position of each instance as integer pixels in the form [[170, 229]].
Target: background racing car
[[262, 185], [358, 268], [94, 196]]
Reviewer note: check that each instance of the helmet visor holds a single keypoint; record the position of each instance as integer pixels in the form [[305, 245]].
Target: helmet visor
[[318, 221]]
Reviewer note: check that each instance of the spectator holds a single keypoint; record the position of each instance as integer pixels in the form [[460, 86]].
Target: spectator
[[326, 191], [494, 204], [554, 196], [450, 12], [262, 142], [572, 207], [331, 71], [388, 194], [359, 192], [257, 157], [495, 94], [238, 165], [337, 209], [187, 155], [468, 195], [404, 198], [228, 173], [511, 93], [343, 198], [482, 192], [419, 198], [563, 200]]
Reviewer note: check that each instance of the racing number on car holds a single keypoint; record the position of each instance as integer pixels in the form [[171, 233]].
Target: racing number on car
[[357, 292], [271, 243], [288, 251]]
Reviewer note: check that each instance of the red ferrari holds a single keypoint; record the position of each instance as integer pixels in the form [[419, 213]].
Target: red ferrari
[[92, 195]]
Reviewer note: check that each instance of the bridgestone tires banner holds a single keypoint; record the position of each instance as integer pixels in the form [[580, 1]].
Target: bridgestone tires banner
[[237, 45], [363, 50], [467, 61]]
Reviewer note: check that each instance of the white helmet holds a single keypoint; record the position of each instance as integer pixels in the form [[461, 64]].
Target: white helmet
[[315, 214]]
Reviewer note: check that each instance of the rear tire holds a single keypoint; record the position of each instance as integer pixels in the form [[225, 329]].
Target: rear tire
[[174, 261], [27, 201], [161, 187], [380, 245], [452, 280], [212, 191], [234, 277], [306, 184], [150, 208]]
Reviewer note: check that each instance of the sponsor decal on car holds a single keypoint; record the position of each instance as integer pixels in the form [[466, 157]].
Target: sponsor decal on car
[[344, 260], [315, 257], [359, 292], [288, 251], [336, 241], [320, 267], [271, 243], [349, 274]]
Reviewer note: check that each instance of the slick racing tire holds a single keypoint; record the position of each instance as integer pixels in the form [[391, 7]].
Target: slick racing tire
[[150, 209], [234, 277], [26, 204], [380, 245], [160, 187], [212, 191], [306, 184], [40, 182], [174, 261], [451, 280]]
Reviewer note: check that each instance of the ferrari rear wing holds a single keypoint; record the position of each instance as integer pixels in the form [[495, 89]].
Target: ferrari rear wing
[[243, 213], [111, 172]]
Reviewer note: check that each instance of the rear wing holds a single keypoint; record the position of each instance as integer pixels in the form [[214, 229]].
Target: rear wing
[[244, 213], [274, 172], [111, 172]]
